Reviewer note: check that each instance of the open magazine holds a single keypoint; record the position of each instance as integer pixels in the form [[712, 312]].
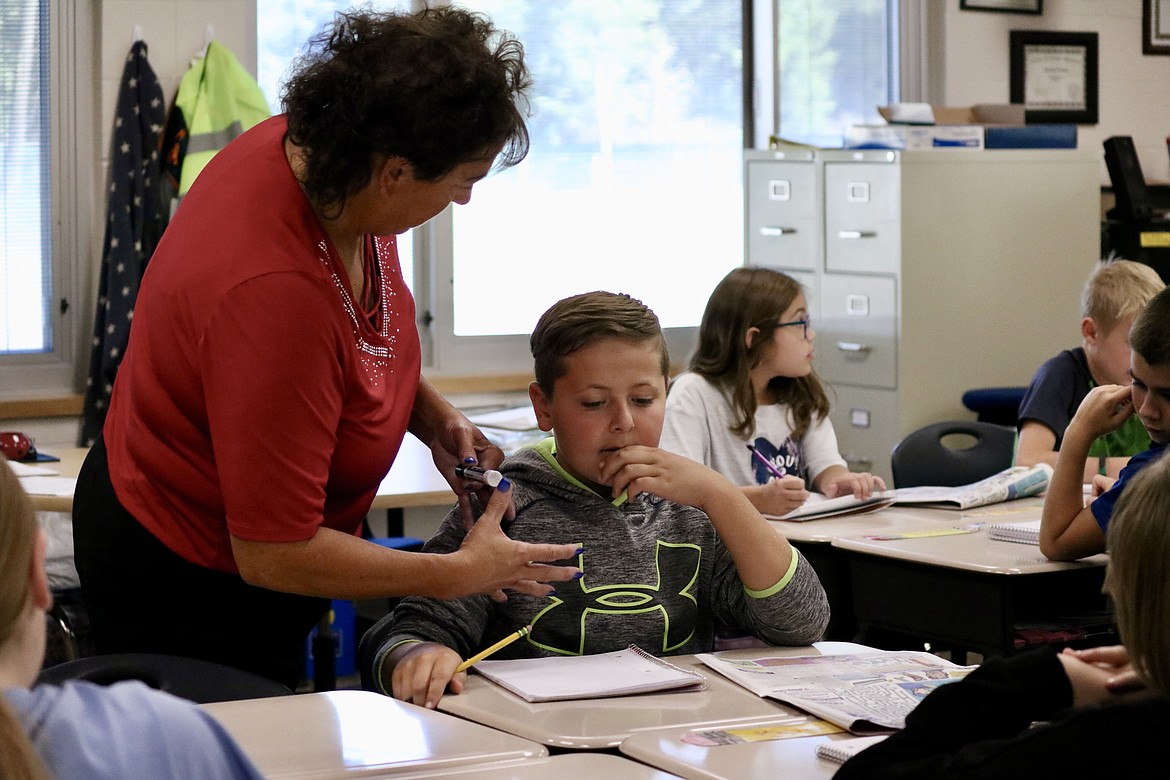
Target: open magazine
[[1009, 484], [817, 506], [866, 693]]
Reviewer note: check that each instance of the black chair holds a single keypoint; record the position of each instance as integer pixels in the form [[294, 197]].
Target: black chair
[[999, 405], [923, 458], [188, 678]]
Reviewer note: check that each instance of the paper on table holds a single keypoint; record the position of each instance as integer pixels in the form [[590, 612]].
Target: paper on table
[[865, 693], [519, 418], [818, 506], [49, 486], [600, 675], [25, 470]]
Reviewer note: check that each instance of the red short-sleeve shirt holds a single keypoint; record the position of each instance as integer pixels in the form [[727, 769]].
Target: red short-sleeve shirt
[[255, 399]]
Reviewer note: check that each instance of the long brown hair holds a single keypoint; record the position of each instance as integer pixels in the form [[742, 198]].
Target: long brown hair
[[753, 297], [18, 533], [1137, 579]]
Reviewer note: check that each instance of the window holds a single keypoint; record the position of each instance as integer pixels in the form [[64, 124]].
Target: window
[[635, 178], [837, 62], [43, 190]]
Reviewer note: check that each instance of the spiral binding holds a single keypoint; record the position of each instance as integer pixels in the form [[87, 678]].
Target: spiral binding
[[700, 679]]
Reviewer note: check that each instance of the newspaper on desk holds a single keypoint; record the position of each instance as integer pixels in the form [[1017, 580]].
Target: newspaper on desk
[[1009, 484], [866, 693]]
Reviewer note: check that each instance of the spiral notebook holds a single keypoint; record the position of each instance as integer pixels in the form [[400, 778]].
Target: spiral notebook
[[845, 749], [597, 676], [1027, 532]]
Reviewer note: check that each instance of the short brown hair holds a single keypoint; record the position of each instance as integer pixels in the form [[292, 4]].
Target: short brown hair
[[580, 320], [1138, 579], [1117, 289], [1150, 334]]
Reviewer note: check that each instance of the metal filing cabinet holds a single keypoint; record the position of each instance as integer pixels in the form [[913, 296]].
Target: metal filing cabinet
[[928, 273]]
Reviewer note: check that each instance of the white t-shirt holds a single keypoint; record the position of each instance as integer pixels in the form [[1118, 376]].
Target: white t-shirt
[[698, 425]]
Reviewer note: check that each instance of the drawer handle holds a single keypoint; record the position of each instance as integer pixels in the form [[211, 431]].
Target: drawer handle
[[853, 346], [777, 231], [855, 234], [859, 463]]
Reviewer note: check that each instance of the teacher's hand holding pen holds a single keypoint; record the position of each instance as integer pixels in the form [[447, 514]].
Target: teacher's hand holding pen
[[499, 563]]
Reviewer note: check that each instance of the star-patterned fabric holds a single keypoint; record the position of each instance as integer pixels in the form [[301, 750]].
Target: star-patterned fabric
[[135, 219]]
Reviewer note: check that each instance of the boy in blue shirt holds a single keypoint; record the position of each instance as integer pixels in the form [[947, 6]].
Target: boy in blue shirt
[[670, 549], [1069, 529], [1112, 296]]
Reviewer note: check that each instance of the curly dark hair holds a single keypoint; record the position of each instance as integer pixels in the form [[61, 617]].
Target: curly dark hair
[[439, 88]]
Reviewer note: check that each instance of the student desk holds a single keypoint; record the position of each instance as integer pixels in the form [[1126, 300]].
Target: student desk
[[814, 540], [790, 759], [966, 591], [413, 480], [361, 734], [582, 766], [586, 724]]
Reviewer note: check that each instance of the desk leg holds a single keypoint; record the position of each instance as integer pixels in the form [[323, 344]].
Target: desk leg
[[396, 522], [325, 655]]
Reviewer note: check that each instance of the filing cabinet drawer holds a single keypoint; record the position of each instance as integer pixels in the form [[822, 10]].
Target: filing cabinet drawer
[[783, 214], [862, 224], [857, 330], [867, 427]]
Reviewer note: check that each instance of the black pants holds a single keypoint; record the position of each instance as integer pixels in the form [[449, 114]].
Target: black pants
[[143, 598]]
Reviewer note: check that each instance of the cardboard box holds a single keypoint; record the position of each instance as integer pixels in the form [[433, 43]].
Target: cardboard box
[[914, 137], [928, 114]]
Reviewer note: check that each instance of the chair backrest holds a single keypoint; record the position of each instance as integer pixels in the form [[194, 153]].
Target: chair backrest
[[188, 678], [922, 458]]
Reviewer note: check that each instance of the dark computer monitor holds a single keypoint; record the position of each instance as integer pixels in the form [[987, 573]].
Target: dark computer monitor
[[1129, 185]]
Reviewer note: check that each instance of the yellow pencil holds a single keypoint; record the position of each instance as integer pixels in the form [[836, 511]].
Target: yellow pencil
[[509, 639]]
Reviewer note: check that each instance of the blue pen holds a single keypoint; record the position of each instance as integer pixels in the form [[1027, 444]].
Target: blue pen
[[776, 470]]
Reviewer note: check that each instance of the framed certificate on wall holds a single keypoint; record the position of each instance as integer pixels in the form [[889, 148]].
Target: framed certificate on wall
[[1054, 74]]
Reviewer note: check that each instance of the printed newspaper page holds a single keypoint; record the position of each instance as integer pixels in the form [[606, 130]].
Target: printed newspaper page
[[1009, 484], [864, 693]]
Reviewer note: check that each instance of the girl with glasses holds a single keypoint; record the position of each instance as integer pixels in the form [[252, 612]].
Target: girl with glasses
[[751, 406]]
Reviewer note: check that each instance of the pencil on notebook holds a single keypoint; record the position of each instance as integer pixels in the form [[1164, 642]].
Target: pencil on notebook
[[509, 639]]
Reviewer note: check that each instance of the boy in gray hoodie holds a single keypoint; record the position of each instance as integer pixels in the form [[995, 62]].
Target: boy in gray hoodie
[[670, 549]]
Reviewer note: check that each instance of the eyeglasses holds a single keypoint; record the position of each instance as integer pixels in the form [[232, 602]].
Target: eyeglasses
[[804, 323]]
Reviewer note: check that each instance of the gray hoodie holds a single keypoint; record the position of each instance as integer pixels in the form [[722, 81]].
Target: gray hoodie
[[656, 574]]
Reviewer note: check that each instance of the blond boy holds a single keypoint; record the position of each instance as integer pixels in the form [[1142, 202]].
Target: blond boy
[[1112, 296], [1068, 528]]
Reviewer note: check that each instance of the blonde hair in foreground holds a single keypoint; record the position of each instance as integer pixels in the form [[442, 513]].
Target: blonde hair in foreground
[[1138, 579], [18, 533]]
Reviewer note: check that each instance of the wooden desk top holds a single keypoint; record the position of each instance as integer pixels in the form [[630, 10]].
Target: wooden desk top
[[360, 733]]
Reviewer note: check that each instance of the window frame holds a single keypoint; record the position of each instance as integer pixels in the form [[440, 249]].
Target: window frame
[[59, 371]]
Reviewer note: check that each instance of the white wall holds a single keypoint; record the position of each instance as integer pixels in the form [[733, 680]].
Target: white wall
[[1133, 89]]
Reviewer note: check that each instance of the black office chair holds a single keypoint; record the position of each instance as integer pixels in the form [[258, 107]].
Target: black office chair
[[923, 458], [999, 405], [188, 678]]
